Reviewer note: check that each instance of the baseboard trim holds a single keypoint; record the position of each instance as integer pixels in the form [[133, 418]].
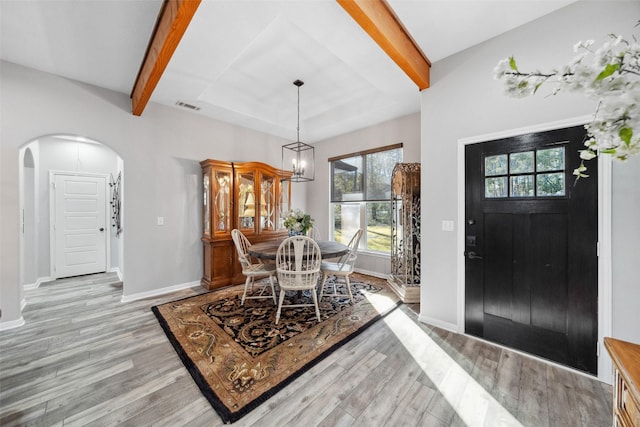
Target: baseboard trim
[[117, 271], [11, 324], [158, 292], [371, 273], [36, 285], [451, 327]]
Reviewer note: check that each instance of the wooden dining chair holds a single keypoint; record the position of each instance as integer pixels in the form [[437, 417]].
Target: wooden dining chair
[[314, 233], [252, 270], [298, 266], [342, 268]]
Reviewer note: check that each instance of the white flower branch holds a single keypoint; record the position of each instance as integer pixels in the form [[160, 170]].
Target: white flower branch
[[611, 76]]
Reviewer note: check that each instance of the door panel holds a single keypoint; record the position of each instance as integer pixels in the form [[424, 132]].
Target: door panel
[[531, 235], [79, 225], [523, 278], [549, 297], [498, 234]]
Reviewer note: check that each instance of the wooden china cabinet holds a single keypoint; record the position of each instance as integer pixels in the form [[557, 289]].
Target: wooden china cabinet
[[251, 197]]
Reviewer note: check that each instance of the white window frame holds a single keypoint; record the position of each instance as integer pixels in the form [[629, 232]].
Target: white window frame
[[362, 203]]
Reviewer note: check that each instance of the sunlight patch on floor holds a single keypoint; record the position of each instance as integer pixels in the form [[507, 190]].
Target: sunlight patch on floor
[[380, 302], [470, 400]]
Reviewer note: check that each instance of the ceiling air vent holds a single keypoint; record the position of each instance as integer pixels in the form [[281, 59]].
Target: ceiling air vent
[[189, 106]]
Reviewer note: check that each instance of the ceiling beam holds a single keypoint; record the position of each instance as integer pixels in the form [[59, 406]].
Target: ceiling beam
[[173, 20], [379, 21]]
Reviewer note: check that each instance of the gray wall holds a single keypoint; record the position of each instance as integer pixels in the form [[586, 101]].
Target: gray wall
[[161, 151], [464, 101], [404, 129]]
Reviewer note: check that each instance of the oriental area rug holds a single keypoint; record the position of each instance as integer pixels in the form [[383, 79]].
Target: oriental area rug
[[239, 357]]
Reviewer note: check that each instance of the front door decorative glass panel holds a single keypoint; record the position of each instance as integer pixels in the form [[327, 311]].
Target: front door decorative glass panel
[[534, 173]]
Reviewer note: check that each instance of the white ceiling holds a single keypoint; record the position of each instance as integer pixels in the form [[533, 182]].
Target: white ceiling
[[238, 59]]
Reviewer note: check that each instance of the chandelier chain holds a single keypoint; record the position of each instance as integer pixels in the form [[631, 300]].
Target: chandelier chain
[[298, 128]]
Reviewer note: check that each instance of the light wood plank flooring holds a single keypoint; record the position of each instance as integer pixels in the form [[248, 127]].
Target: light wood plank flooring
[[86, 359]]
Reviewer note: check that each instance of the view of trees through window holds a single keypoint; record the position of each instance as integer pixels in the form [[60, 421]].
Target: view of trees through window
[[361, 197], [539, 173]]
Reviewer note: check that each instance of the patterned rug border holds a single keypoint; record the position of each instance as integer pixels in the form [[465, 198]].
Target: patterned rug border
[[225, 414]]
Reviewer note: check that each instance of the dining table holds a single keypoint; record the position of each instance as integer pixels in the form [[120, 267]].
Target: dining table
[[267, 250]]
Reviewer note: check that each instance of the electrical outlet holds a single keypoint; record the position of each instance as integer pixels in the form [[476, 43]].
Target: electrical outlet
[[447, 225], [160, 220]]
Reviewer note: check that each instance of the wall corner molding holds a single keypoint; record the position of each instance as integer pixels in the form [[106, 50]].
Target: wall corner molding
[[37, 283], [12, 324], [117, 271], [432, 321]]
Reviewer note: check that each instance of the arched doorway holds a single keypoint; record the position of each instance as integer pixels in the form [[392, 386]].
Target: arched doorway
[[40, 159]]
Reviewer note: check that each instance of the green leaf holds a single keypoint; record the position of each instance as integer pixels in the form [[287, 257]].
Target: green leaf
[[625, 135], [512, 63], [608, 70], [537, 87], [608, 151]]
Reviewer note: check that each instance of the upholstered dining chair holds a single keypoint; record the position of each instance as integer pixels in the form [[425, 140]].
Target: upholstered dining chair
[[298, 266], [253, 270], [342, 268]]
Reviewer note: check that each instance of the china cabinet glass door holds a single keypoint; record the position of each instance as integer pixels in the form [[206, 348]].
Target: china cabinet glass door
[[246, 202], [284, 203], [206, 200], [267, 203], [222, 202]]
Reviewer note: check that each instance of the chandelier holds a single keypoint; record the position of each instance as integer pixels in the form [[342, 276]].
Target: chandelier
[[298, 157]]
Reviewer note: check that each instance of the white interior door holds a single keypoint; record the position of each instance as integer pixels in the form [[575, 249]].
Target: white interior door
[[79, 224]]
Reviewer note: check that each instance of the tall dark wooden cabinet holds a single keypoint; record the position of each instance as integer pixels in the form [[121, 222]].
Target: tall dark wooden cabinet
[[251, 197]]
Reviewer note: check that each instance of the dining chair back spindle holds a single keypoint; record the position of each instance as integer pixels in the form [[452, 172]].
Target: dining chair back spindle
[[314, 233], [342, 268], [251, 270], [298, 262]]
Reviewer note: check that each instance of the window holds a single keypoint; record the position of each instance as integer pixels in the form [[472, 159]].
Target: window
[[361, 196], [538, 173]]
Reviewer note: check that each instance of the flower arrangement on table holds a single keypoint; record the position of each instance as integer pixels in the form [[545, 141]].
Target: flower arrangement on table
[[297, 222], [612, 78]]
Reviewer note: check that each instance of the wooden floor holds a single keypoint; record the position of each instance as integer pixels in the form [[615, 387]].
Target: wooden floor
[[84, 358]]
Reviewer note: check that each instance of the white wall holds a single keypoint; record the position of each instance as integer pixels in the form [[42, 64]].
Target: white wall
[[61, 155], [404, 129], [28, 229], [464, 101], [626, 251], [161, 151]]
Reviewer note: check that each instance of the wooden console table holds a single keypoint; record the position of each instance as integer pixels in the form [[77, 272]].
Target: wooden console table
[[626, 382]]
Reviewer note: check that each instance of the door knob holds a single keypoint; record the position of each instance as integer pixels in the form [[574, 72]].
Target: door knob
[[101, 228], [472, 255]]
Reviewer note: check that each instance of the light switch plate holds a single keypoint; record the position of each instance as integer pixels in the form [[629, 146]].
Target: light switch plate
[[160, 220], [447, 225]]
